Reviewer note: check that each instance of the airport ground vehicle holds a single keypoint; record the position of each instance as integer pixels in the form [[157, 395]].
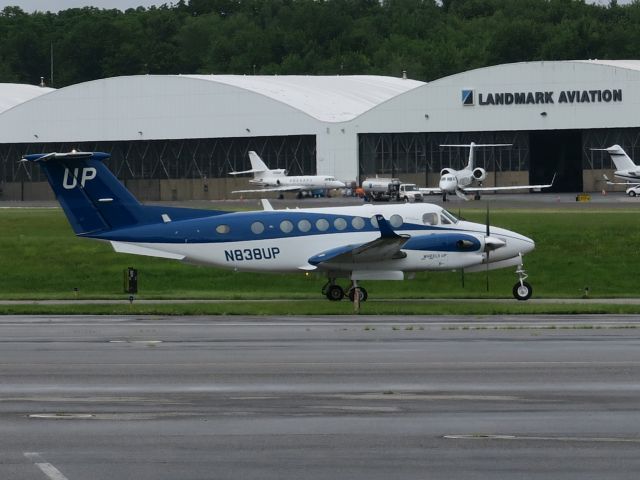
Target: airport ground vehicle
[[387, 189]]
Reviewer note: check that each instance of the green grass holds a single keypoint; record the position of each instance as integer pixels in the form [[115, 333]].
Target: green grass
[[40, 258], [323, 307]]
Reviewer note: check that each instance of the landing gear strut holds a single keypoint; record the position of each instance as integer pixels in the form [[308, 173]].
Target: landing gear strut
[[522, 290]]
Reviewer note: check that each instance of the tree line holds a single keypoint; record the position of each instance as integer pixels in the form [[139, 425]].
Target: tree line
[[428, 39]]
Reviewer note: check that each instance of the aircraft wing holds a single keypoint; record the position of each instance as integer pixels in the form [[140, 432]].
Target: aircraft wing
[[503, 189], [386, 247], [288, 188]]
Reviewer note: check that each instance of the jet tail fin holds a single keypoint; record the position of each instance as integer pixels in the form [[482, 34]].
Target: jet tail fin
[[471, 146], [620, 158], [94, 200], [257, 165]]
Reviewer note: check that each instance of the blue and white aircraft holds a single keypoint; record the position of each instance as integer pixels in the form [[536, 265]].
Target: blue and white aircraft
[[366, 242]]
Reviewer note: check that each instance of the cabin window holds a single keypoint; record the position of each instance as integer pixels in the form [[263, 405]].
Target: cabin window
[[257, 227], [357, 223], [286, 226], [374, 222], [396, 221], [322, 224], [430, 219], [222, 229], [340, 223], [304, 225]]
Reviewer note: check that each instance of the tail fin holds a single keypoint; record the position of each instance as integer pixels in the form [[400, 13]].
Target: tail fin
[[471, 146], [257, 165], [93, 199], [620, 158]]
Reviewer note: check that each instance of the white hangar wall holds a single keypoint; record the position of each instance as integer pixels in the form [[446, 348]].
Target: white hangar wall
[[173, 125], [441, 100], [594, 98]]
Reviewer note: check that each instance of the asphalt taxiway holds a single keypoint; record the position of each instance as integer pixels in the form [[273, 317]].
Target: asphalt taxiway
[[319, 397]]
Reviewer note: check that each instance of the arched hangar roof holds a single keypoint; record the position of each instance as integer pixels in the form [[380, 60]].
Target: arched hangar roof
[[327, 98], [12, 94], [196, 106]]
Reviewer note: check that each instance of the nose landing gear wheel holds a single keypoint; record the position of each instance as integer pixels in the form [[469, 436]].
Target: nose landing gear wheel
[[522, 291], [335, 293]]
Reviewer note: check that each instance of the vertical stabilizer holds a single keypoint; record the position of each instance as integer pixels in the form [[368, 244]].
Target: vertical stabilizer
[[620, 158], [257, 165], [93, 199]]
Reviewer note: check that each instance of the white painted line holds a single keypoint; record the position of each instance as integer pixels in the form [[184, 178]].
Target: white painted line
[[62, 416], [49, 470]]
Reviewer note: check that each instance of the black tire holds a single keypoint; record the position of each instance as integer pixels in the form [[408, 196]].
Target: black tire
[[363, 294], [335, 293], [522, 292], [632, 193], [406, 199]]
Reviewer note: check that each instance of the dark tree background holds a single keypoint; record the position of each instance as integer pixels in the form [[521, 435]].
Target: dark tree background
[[427, 39]]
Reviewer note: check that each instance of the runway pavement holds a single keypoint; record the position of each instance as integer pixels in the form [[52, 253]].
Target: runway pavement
[[317, 398]]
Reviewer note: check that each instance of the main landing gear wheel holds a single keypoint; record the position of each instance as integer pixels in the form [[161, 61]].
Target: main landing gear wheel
[[363, 294], [335, 293], [522, 291]]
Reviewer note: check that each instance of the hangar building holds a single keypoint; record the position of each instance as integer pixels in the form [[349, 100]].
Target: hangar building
[[178, 136]]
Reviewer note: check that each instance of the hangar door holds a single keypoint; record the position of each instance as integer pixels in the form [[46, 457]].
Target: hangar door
[[559, 152]]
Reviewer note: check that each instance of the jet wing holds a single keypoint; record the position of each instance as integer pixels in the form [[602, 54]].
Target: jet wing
[[386, 247], [288, 188], [503, 189]]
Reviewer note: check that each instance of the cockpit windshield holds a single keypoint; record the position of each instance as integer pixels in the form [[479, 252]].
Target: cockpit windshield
[[448, 217]]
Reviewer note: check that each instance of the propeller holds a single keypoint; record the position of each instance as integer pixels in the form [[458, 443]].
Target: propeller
[[490, 244]]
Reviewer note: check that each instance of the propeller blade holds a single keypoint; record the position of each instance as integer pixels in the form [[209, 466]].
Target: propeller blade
[[487, 245], [487, 271], [487, 222]]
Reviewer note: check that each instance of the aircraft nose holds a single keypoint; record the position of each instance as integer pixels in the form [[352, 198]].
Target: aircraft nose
[[522, 244], [446, 185]]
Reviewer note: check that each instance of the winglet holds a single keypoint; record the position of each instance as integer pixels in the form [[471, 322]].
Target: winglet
[[266, 205], [385, 229]]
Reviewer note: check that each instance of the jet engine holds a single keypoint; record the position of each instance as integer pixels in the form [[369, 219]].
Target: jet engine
[[479, 174]]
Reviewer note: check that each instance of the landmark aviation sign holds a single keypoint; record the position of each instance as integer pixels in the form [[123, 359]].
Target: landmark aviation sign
[[542, 97]]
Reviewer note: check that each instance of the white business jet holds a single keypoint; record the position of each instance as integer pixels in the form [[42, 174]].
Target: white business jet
[[278, 181], [364, 242], [626, 169], [463, 182]]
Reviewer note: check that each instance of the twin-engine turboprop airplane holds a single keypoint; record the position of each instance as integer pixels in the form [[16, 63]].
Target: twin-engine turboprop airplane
[[462, 182], [279, 181], [366, 242]]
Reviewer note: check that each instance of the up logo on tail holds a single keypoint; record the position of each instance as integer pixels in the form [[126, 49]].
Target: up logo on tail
[[86, 174]]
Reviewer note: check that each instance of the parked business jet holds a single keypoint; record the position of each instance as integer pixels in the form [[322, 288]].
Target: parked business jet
[[278, 181], [461, 182], [626, 169], [365, 242]]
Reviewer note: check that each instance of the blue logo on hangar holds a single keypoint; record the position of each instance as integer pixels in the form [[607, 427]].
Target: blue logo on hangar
[[467, 97]]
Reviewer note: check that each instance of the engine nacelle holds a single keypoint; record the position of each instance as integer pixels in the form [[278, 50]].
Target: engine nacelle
[[446, 171], [479, 174]]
